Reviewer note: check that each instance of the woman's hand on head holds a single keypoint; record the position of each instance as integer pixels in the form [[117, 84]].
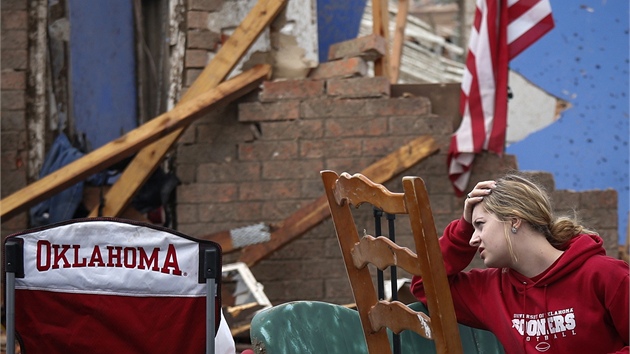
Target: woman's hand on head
[[476, 196]]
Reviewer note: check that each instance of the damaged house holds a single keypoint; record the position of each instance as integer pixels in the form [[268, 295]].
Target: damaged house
[[229, 115]]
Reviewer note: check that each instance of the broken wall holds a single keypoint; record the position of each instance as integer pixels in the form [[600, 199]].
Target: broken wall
[[259, 161], [34, 65], [289, 44]]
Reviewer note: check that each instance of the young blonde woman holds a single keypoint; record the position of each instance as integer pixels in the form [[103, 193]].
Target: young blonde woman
[[549, 286]]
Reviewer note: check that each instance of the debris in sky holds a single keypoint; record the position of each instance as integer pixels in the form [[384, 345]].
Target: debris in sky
[[587, 8]]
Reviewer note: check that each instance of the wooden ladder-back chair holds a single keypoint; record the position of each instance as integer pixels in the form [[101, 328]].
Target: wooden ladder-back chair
[[377, 315]]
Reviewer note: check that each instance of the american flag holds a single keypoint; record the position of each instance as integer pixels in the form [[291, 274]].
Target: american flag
[[502, 29]]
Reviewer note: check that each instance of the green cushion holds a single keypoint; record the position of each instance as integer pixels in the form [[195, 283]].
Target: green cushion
[[307, 327], [318, 327]]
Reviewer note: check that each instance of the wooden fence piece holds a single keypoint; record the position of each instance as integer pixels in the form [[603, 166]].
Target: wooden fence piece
[[131, 142], [314, 213], [147, 160]]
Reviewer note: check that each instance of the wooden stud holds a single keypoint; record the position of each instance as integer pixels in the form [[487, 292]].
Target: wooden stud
[[399, 40], [380, 23]]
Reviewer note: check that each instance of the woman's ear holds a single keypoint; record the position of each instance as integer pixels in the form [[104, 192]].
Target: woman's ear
[[515, 222]]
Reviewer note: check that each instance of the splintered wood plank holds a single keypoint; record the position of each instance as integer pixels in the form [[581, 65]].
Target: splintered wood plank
[[147, 160], [131, 142], [380, 23], [314, 213]]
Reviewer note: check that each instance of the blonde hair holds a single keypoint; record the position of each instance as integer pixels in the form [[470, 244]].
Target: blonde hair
[[516, 195]]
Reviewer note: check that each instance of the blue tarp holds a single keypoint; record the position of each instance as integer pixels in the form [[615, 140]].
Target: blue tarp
[[63, 205]]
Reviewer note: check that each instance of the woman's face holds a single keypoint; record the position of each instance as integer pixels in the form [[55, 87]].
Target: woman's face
[[490, 238]]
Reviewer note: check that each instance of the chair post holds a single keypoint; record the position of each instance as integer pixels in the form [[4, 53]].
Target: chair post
[[393, 271], [394, 278], [439, 300], [211, 271], [378, 213], [14, 266]]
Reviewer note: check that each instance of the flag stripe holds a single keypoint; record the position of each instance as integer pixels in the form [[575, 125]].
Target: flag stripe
[[496, 140], [518, 7], [521, 43]]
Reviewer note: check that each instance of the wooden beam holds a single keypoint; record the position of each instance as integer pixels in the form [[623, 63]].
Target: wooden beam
[[314, 213], [380, 27], [399, 40], [147, 160], [92, 198], [131, 142]]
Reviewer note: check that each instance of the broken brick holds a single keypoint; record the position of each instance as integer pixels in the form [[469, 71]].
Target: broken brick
[[352, 67], [369, 48]]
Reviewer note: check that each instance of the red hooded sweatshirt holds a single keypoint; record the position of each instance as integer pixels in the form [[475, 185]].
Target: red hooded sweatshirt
[[578, 305]]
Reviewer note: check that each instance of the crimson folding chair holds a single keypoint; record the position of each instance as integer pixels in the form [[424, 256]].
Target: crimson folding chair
[[106, 285]]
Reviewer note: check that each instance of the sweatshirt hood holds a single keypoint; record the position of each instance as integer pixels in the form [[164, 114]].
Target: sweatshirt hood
[[576, 252]]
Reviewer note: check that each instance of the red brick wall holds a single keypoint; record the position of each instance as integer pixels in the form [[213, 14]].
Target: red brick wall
[[13, 74], [259, 161]]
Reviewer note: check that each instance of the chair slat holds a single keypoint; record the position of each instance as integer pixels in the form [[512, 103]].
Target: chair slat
[[398, 317], [358, 189], [383, 253]]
